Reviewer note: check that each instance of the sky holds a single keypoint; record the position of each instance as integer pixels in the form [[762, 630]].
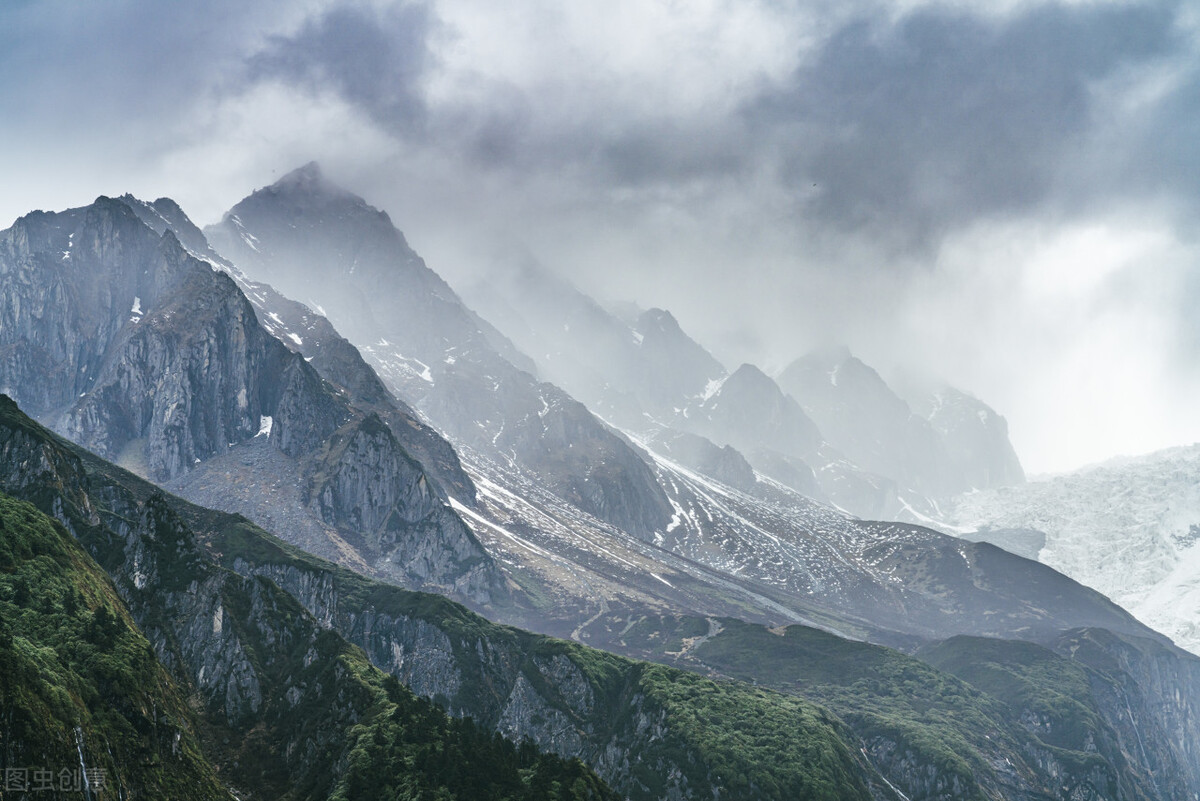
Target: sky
[[1003, 194]]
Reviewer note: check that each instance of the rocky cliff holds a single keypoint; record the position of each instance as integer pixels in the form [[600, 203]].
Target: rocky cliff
[[312, 239], [310, 334], [129, 344]]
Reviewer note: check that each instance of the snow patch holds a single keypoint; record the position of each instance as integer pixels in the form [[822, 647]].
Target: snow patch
[[711, 388]]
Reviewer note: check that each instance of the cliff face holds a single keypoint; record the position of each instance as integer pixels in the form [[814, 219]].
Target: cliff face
[[1148, 691], [160, 360], [308, 333], [128, 344], [362, 482]]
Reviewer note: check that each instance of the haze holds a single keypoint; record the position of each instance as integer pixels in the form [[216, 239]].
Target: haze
[[1002, 194]]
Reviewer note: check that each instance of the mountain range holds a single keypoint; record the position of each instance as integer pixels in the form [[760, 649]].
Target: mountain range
[[401, 445], [828, 425]]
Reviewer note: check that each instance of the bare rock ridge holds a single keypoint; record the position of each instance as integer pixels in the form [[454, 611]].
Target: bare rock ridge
[[128, 344], [311, 239]]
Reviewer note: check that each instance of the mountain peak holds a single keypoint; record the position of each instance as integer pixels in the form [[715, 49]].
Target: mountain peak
[[310, 173], [657, 318], [752, 376], [311, 181]]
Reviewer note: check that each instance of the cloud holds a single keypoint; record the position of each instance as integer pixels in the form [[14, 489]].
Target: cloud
[[895, 175], [921, 124], [374, 58]]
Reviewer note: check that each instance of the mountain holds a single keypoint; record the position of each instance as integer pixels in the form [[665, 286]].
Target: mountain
[[859, 415], [243, 622], [257, 634], [632, 372], [341, 498], [594, 527], [311, 335], [749, 411], [1129, 527], [309, 238], [122, 340], [874, 456], [528, 550], [975, 439], [948, 443], [304, 235], [261, 634], [174, 677], [998, 717]]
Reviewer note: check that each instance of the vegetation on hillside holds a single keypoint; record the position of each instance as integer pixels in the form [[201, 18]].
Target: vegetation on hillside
[[80, 688]]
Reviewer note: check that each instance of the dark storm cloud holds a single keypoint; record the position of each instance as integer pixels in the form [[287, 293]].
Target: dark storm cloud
[[903, 126], [945, 115], [374, 59]]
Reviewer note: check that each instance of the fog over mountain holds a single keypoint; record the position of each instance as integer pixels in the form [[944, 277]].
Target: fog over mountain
[[1001, 193]]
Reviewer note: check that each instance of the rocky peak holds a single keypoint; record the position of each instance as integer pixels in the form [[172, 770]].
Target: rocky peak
[[673, 366], [300, 205], [862, 417], [976, 439], [751, 380], [434, 351], [751, 412], [131, 346], [307, 178], [658, 320]]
